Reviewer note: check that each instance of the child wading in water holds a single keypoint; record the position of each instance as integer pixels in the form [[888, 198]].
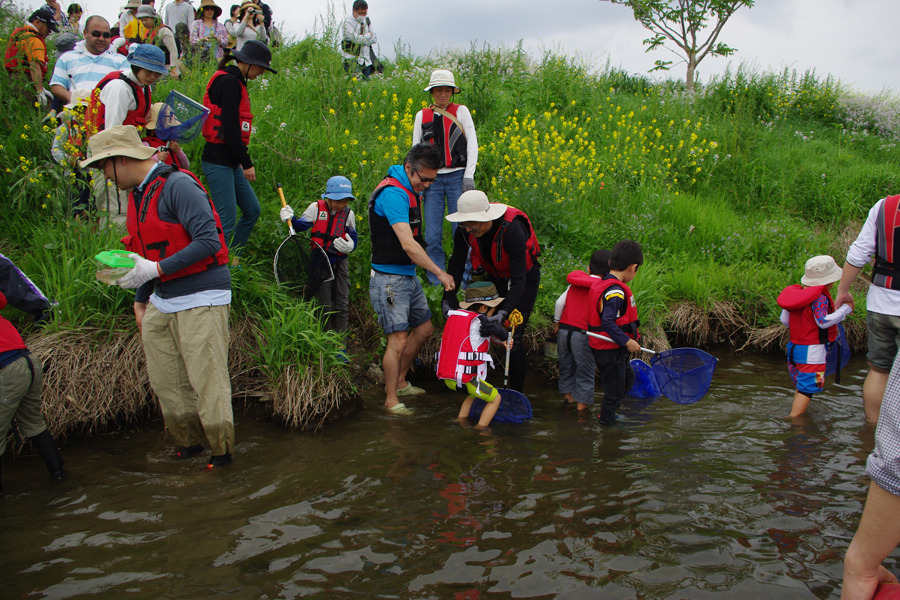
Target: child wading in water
[[463, 358], [808, 311]]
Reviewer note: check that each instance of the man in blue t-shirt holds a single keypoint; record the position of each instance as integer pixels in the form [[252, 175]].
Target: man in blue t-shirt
[[395, 224]]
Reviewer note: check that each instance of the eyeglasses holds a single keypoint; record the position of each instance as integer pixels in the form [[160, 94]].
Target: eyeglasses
[[470, 225], [104, 34], [425, 179]]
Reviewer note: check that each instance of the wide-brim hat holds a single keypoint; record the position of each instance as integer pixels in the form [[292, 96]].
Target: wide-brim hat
[[821, 270], [133, 4], [256, 53], [121, 140], [207, 4], [474, 206], [339, 188], [146, 12], [148, 56], [442, 78], [250, 5], [481, 292], [79, 97], [45, 15]]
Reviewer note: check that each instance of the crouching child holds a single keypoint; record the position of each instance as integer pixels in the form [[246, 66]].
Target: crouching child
[[463, 359]]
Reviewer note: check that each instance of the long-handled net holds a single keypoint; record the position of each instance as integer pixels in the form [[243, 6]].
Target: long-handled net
[[180, 119], [645, 386], [301, 265], [514, 408]]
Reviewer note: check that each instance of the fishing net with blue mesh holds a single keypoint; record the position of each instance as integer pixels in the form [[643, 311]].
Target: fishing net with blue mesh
[[180, 119], [514, 408], [683, 374], [645, 386]]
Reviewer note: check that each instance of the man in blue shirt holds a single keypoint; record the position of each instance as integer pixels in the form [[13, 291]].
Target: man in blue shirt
[[395, 223]]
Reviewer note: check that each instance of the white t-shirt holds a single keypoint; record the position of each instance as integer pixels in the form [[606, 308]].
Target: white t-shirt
[[880, 300]]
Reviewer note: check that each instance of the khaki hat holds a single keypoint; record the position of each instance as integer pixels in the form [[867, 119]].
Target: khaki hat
[[474, 206], [821, 270], [481, 292], [122, 140], [209, 4], [133, 4], [442, 78]]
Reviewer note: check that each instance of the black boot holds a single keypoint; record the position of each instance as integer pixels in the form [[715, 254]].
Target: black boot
[[46, 447]]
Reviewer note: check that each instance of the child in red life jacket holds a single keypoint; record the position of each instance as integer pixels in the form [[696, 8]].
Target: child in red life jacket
[[464, 356], [576, 360], [175, 156], [808, 311], [613, 312], [333, 227]]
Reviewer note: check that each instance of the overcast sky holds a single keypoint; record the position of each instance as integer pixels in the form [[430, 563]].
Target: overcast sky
[[854, 40]]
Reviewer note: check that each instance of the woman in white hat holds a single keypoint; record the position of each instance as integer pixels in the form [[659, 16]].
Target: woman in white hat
[[504, 244], [448, 126], [808, 311]]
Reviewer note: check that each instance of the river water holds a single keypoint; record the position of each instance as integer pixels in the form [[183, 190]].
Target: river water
[[721, 499]]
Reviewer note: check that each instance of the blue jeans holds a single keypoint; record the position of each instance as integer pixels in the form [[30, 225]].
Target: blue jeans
[[449, 186], [230, 190], [399, 302]]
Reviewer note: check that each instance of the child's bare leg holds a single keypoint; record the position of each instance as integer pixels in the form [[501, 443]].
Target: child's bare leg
[[490, 409], [801, 401], [465, 408], [583, 406]]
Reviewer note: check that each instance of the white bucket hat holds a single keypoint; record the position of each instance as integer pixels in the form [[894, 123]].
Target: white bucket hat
[[474, 206], [821, 270], [442, 78]]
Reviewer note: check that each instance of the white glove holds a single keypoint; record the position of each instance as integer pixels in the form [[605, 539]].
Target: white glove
[[45, 98], [345, 244], [144, 270], [287, 213]]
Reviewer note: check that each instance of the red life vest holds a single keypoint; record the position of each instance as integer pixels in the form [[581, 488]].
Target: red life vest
[[798, 301], [886, 272], [457, 360], [123, 49], [14, 53], [95, 115], [212, 127], [443, 132], [386, 247], [9, 336], [497, 263], [575, 312], [627, 322], [155, 239], [155, 142], [328, 227]]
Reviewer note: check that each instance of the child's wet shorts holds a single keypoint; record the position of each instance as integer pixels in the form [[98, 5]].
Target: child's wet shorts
[[477, 388]]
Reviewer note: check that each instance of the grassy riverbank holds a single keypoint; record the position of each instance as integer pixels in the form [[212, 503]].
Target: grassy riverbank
[[729, 190]]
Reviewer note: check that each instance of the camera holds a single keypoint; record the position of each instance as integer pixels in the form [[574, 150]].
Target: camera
[[253, 11]]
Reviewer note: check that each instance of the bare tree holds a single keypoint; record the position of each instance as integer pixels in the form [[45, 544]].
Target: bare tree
[[683, 22]]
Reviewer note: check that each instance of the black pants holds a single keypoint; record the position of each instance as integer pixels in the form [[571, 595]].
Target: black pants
[[616, 378], [517, 357]]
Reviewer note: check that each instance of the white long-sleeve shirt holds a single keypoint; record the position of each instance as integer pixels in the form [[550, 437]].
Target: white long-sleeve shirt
[[118, 98], [359, 32], [880, 300], [465, 119], [829, 321]]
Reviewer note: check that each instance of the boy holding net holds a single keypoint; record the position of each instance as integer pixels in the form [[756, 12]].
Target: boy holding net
[[808, 311], [463, 358], [332, 226]]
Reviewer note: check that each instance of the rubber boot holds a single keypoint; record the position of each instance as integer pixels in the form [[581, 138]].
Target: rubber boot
[[46, 447]]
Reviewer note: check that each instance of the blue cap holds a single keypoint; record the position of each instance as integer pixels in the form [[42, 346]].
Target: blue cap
[[339, 188], [148, 56]]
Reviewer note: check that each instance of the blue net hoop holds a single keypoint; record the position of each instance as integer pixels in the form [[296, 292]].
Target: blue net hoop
[[831, 355], [514, 408], [683, 374], [645, 386], [180, 119]]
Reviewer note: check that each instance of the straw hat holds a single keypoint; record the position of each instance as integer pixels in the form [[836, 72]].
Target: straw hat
[[474, 206], [821, 270], [481, 292], [133, 4], [209, 3], [442, 78], [250, 5], [121, 140]]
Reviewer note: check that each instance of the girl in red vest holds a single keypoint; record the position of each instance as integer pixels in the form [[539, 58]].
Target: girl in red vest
[[226, 161], [808, 310], [465, 345]]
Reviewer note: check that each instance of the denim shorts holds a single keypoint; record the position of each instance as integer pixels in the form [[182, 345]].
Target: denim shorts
[[883, 340], [399, 302]]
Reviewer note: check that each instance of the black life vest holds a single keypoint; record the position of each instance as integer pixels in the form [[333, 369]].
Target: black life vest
[[886, 272], [386, 247]]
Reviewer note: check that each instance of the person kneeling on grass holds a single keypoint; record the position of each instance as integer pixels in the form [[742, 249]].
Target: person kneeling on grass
[[463, 358], [334, 229], [808, 311]]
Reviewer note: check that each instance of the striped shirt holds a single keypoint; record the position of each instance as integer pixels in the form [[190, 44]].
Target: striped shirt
[[79, 69]]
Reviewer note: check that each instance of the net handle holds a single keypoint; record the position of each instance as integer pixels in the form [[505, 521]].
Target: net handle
[[284, 204], [606, 339]]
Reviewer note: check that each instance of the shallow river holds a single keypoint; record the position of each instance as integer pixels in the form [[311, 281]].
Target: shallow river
[[724, 498]]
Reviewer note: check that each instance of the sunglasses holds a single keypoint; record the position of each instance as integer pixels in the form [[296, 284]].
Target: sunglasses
[[104, 34], [425, 179]]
